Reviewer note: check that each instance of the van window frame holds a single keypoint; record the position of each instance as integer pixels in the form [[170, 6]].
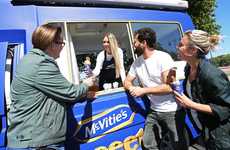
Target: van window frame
[[161, 22], [130, 36]]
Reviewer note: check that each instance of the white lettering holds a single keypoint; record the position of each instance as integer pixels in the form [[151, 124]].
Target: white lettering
[[118, 117], [89, 131], [101, 123], [105, 123], [124, 114]]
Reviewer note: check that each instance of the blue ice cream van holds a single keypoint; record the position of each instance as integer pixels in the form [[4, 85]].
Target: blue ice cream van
[[114, 120]]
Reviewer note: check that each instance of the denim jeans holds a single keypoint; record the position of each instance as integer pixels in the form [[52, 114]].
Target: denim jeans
[[218, 138], [49, 147], [165, 131]]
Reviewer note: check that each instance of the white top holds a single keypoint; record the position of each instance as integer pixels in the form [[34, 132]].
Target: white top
[[149, 73], [100, 60]]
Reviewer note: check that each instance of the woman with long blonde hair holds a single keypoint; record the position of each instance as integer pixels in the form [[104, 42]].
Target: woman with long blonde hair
[[110, 66]]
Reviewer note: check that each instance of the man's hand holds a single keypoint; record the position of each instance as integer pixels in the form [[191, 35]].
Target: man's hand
[[136, 91]]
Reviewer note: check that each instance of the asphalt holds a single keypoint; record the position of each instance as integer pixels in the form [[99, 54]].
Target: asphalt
[[196, 147]]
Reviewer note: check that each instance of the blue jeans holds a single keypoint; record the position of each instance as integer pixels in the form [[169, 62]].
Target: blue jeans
[[165, 130], [48, 147]]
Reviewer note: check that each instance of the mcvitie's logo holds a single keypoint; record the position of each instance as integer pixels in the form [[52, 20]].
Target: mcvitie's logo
[[94, 128]]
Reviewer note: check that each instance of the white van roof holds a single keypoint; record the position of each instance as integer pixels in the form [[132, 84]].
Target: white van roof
[[149, 4]]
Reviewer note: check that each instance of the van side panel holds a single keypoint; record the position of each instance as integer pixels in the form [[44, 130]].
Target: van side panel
[[3, 50], [85, 14], [13, 36], [29, 17], [18, 18], [100, 122]]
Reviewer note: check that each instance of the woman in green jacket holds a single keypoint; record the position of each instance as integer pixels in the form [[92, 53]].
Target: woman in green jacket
[[207, 89], [39, 94]]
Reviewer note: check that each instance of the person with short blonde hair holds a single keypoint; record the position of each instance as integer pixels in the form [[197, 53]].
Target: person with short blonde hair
[[202, 41], [207, 90], [45, 35], [40, 95], [110, 63]]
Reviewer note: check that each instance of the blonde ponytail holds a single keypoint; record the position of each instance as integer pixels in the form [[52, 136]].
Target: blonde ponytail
[[214, 41], [202, 40]]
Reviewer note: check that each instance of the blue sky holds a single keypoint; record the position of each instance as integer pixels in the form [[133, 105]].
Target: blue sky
[[222, 18]]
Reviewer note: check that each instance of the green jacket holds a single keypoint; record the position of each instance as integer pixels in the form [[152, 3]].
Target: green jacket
[[39, 95]]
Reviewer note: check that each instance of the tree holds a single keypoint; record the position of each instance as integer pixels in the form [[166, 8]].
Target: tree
[[220, 61], [203, 15]]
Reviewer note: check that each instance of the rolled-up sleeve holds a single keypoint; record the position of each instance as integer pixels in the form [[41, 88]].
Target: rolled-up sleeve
[[219, 87]]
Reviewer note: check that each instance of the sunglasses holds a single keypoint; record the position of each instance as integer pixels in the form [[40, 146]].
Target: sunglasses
[[60, 43], [105, 41]]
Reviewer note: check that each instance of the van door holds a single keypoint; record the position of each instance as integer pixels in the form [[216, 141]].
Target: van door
[[10, 54], [3, 51]]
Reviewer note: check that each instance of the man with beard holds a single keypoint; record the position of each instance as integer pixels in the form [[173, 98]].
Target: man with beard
[[152, 68]]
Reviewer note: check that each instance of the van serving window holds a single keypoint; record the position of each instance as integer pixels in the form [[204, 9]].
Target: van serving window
[[147, 4], [84, 39], [87, 38]]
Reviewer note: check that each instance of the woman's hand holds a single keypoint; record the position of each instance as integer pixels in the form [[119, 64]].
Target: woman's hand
[[183, 100], [90, 81]]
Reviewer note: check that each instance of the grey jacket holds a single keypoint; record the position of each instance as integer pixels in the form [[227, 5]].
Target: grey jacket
[[39, 95]]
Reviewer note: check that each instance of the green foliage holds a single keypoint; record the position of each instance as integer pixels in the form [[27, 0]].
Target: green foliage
[[202, 13], [220, 61]]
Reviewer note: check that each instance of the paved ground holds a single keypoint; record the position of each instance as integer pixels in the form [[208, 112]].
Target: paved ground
[[226, 69], [196, 147]]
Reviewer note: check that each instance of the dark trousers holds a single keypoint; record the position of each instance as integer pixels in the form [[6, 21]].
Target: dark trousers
[[165, 131]]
